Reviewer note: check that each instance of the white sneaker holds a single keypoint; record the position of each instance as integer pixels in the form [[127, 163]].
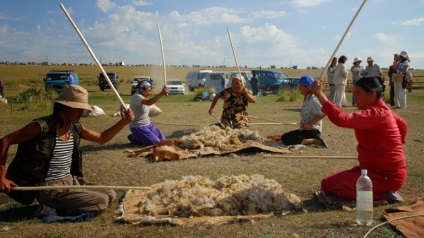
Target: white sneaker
[[43, 210]]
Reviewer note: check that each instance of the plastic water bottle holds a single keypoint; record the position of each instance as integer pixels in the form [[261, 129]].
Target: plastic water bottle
[[364, 200]]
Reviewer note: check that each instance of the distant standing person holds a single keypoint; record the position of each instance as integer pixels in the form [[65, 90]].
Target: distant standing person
[[402, 67], [70, 78], [330, 74], [236, 100], [340, 81], [311, 118], [1, 87], [372, 70], [144, 132], [357, 72], [254, 82], [392, 83]]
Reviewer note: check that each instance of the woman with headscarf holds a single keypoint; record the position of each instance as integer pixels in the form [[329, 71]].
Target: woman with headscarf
[[144, 132], [236, 100]]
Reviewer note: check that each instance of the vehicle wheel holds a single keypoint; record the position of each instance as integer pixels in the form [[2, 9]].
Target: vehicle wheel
[[267, 88], [102, 89], [190, 88]]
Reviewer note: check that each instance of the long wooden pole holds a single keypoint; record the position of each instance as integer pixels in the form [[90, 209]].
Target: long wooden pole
[[234, 53], [311, 157], [93, 56], [341, 40], [96, 187], [163, 56]]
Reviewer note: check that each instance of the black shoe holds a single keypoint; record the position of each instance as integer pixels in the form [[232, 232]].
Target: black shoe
[[394, 197], [132, 141], [323, 143]]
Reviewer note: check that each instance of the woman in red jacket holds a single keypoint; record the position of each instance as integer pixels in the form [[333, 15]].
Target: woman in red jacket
[[380, 134]]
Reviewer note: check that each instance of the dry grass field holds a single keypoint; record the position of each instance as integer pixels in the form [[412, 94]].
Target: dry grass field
[[108, 164]]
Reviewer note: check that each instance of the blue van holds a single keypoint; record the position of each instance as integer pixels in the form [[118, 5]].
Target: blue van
[[56, 79], [269, 79]]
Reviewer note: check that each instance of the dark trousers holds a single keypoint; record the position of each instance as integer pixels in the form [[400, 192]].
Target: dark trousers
[[296, 137], [392, 93]]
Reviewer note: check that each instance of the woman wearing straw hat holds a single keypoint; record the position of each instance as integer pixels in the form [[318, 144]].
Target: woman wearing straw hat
[[357, 72], [402, 67], [48, 155]]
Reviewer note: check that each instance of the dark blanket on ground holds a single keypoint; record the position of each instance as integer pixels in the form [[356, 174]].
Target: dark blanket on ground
[[410, 227], [172, 150]]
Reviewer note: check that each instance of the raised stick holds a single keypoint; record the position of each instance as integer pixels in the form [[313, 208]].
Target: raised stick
[[341, 40], [163, 55], [311, 157], [40, 188], [93, 56], [234, 53]]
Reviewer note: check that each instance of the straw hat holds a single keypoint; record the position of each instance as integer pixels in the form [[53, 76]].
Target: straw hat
[[74, 96], [404, 54], [356, 59]]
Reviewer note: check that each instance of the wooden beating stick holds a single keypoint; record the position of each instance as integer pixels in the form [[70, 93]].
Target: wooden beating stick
[[97, 187], [163, 56], [93, 56], [341, 40]]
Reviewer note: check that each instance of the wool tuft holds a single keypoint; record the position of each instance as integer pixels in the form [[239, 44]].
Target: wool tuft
[[196, 196]]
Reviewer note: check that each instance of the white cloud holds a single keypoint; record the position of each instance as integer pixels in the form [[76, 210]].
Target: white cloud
[[269, 14], [416, 21], [383, 38], [105, 5], [306, 3], [140, 3]]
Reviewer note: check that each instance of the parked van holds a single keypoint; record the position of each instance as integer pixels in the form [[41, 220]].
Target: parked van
[[218, 81], [196, 78], [269, 79], [103, 84], [56, 79]]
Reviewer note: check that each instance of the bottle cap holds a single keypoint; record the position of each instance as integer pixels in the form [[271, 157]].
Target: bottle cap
[[364, 171]]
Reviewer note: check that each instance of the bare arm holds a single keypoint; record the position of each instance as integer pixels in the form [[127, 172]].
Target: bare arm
[[214, 101], [316, 89], [156, 98], [102, 137], [314, 120], [30, 131], [250, 97]]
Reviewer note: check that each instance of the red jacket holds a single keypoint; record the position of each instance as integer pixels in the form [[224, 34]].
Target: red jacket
[[380, 134]]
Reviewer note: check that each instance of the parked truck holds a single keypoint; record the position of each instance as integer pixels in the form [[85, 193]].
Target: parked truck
[[57, 79]]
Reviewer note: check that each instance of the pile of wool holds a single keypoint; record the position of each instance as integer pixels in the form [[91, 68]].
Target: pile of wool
[[225, 139], [196, 196]]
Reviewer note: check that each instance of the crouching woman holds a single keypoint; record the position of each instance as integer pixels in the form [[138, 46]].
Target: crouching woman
[[380, 134], [144, 132], [236, 100], [48, 155], [311, 118]]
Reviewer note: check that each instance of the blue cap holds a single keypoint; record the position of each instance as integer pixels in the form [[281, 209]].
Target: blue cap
[[306, 80], [145, 84]]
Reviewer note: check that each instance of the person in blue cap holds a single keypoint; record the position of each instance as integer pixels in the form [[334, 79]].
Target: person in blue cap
[[309, 132]]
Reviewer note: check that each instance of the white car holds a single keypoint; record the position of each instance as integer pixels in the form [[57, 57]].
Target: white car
[[135, 81], [175, 86]]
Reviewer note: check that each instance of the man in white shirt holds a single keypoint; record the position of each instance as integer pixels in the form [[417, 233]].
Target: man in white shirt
[[372, 70]]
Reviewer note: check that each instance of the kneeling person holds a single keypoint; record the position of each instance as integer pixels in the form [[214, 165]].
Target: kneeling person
[[144, 132], [311, 118]]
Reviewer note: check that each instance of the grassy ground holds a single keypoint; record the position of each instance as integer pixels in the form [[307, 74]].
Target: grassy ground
[[108, 165]]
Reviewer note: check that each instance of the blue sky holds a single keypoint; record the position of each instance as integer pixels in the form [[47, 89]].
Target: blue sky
[[264, 33]]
